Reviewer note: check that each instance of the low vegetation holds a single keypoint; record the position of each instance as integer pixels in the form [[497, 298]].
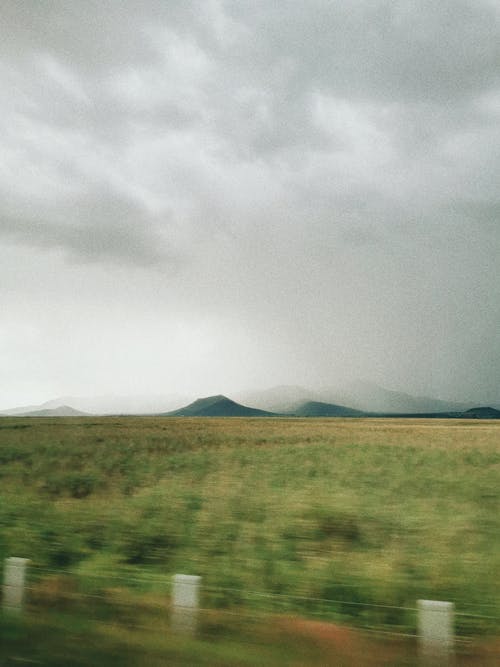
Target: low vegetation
[[345, 520]]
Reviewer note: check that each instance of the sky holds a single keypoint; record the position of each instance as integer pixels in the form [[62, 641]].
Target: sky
[[209, 196]]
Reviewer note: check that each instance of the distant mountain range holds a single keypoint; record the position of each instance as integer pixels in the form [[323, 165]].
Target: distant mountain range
[[108, 405], [363, 396], [356, 400], [221, 406]]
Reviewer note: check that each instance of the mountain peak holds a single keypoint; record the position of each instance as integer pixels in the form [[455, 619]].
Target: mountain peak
[[217, 406]]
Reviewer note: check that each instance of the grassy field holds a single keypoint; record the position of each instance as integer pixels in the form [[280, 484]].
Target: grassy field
[[346, 520]]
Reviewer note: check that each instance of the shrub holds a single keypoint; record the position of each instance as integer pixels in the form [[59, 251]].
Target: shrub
[[148, 541]]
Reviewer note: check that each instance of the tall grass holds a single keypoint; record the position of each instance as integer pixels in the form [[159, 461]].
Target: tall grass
[[368, 514]]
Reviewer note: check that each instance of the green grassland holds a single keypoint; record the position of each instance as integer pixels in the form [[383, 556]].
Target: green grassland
[[275, 514]]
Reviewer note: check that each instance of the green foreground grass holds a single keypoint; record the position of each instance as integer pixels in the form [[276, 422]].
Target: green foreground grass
[[349, 521]]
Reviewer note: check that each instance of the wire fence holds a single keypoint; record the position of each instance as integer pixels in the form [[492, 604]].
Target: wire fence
[[242, 596], [142, 600], [149, 620]]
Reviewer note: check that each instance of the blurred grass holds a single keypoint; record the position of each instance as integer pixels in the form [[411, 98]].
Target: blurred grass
[[57, 640], [364, 511], [136, 633]]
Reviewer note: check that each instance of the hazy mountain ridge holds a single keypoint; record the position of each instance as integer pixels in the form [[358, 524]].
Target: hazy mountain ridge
[[107, 404], [60, 411], [370, 397], [320, 409], [358, 395], [221, 406], [353, 400], [282, 398]]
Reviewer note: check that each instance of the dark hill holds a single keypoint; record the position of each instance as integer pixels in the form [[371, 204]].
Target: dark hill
[[319, 409], [481, 413], [217, 406], [473, 413]]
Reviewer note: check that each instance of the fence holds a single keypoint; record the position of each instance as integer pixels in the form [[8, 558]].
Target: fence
[[433, 630]]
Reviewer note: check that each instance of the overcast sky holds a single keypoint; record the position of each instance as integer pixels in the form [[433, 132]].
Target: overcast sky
[[202, 197]]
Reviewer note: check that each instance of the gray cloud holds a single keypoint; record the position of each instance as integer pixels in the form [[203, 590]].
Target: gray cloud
[[382, 50], [104, 229], [312, 184]]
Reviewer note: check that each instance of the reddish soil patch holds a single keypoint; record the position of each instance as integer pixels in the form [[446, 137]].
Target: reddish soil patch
[[323, 632], [347, 647]]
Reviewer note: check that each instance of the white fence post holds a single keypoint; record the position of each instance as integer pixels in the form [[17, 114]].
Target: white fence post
[[13, 584], [185, 603], [435, 632]]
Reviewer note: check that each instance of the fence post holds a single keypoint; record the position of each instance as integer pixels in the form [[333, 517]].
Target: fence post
[[13, 584], [435, 632], [185, 602]]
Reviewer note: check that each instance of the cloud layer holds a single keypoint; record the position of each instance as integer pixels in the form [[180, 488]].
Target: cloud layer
[[209, 195]]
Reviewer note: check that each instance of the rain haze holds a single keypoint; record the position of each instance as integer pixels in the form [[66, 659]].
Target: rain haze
[[209, 197]]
